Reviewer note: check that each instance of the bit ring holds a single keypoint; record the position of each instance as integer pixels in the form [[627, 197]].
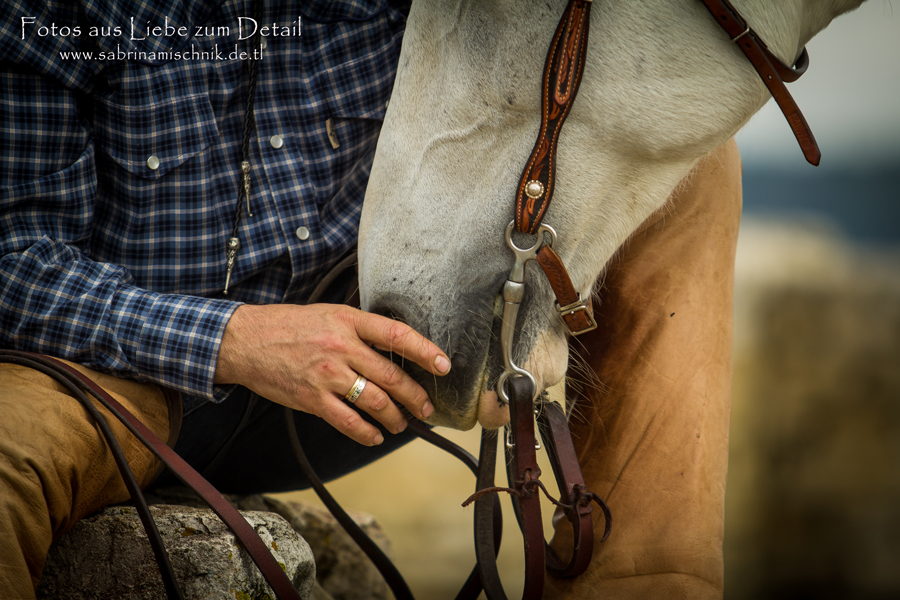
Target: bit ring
[[358, 386]]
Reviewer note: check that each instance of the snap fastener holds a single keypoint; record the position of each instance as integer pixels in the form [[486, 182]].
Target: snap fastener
[[277, 141], [303, 233], [263, 43], [153, 162]]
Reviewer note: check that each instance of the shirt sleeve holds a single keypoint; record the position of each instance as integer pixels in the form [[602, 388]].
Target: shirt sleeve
[[54, 299]]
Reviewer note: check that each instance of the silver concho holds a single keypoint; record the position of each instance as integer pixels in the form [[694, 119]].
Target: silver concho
[[534, 189]]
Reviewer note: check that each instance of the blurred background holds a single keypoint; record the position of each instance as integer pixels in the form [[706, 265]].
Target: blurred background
[[813, 501]]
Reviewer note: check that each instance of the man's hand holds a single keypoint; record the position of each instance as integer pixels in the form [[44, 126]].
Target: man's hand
[[308, 357]]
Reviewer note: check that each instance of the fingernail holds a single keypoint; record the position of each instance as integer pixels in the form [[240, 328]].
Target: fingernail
[[442, 364], [402, 426], [378, 439], [427, 409]]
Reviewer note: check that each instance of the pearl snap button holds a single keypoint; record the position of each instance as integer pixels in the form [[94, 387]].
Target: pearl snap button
[[263, 43], [303, 233], [153, 162], [277, 141]]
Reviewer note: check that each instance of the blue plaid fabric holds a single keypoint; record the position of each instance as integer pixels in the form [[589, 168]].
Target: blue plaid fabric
[[121, 151]]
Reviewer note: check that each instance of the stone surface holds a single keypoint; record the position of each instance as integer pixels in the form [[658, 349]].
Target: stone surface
[[342, 570], [108, 556]]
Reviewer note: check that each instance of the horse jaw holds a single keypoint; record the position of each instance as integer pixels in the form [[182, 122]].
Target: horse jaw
[[462, 119]]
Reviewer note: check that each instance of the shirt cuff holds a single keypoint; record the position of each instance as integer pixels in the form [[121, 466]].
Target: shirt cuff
[[177, 342]]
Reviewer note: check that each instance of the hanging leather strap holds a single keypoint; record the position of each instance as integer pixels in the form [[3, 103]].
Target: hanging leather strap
[[771, 70], [488, 519], [576, 498], [76, 381], [524, 475]]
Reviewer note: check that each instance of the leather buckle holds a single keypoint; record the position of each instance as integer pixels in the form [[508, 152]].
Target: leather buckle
[[571, 309]]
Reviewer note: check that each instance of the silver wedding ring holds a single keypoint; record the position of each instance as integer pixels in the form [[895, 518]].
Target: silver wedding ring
[[358, 386]]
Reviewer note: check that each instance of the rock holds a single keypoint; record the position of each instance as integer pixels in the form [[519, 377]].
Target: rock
[[343, 571], [107, 556]]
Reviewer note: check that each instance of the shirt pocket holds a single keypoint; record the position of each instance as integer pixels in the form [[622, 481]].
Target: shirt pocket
[[149, 141], [340, 145]]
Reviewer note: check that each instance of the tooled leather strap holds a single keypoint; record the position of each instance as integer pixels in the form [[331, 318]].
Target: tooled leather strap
[[559, 86], [562, 73], [771, 70], [248, 537]]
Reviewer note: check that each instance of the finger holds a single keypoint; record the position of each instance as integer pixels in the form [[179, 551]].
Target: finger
[[393, 381], [349, 422], [377, 403], [399, 338]]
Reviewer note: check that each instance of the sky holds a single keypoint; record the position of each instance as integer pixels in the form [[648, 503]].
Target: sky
[[850, 96]]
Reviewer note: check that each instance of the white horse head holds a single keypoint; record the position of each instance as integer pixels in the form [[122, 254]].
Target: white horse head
[[663, 85]]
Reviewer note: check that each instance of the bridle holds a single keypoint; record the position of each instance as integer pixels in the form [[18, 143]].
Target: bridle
[[561, 78], [562, 73], [563, 69]]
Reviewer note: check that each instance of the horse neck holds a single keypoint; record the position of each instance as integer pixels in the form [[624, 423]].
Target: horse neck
[[817, 14], [788, 25]]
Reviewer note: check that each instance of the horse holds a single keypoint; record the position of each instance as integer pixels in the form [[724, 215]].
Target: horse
[[664, 89]]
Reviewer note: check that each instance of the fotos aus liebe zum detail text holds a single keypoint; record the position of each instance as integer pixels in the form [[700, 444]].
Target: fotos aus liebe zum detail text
[[169, 40]]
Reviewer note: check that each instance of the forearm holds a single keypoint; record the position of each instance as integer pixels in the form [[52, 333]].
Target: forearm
[[55, 301]]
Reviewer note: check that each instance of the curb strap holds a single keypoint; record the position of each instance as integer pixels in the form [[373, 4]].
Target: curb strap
[[79, 385], [771, 70], [577, 314]]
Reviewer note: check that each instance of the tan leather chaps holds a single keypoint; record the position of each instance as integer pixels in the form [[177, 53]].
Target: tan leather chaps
[[55, 466], [651, 430]]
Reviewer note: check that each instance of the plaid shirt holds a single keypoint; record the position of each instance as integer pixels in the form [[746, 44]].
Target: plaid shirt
[[120, 170]]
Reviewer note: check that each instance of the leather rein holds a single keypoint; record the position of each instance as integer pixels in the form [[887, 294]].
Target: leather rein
[[562, 73]]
